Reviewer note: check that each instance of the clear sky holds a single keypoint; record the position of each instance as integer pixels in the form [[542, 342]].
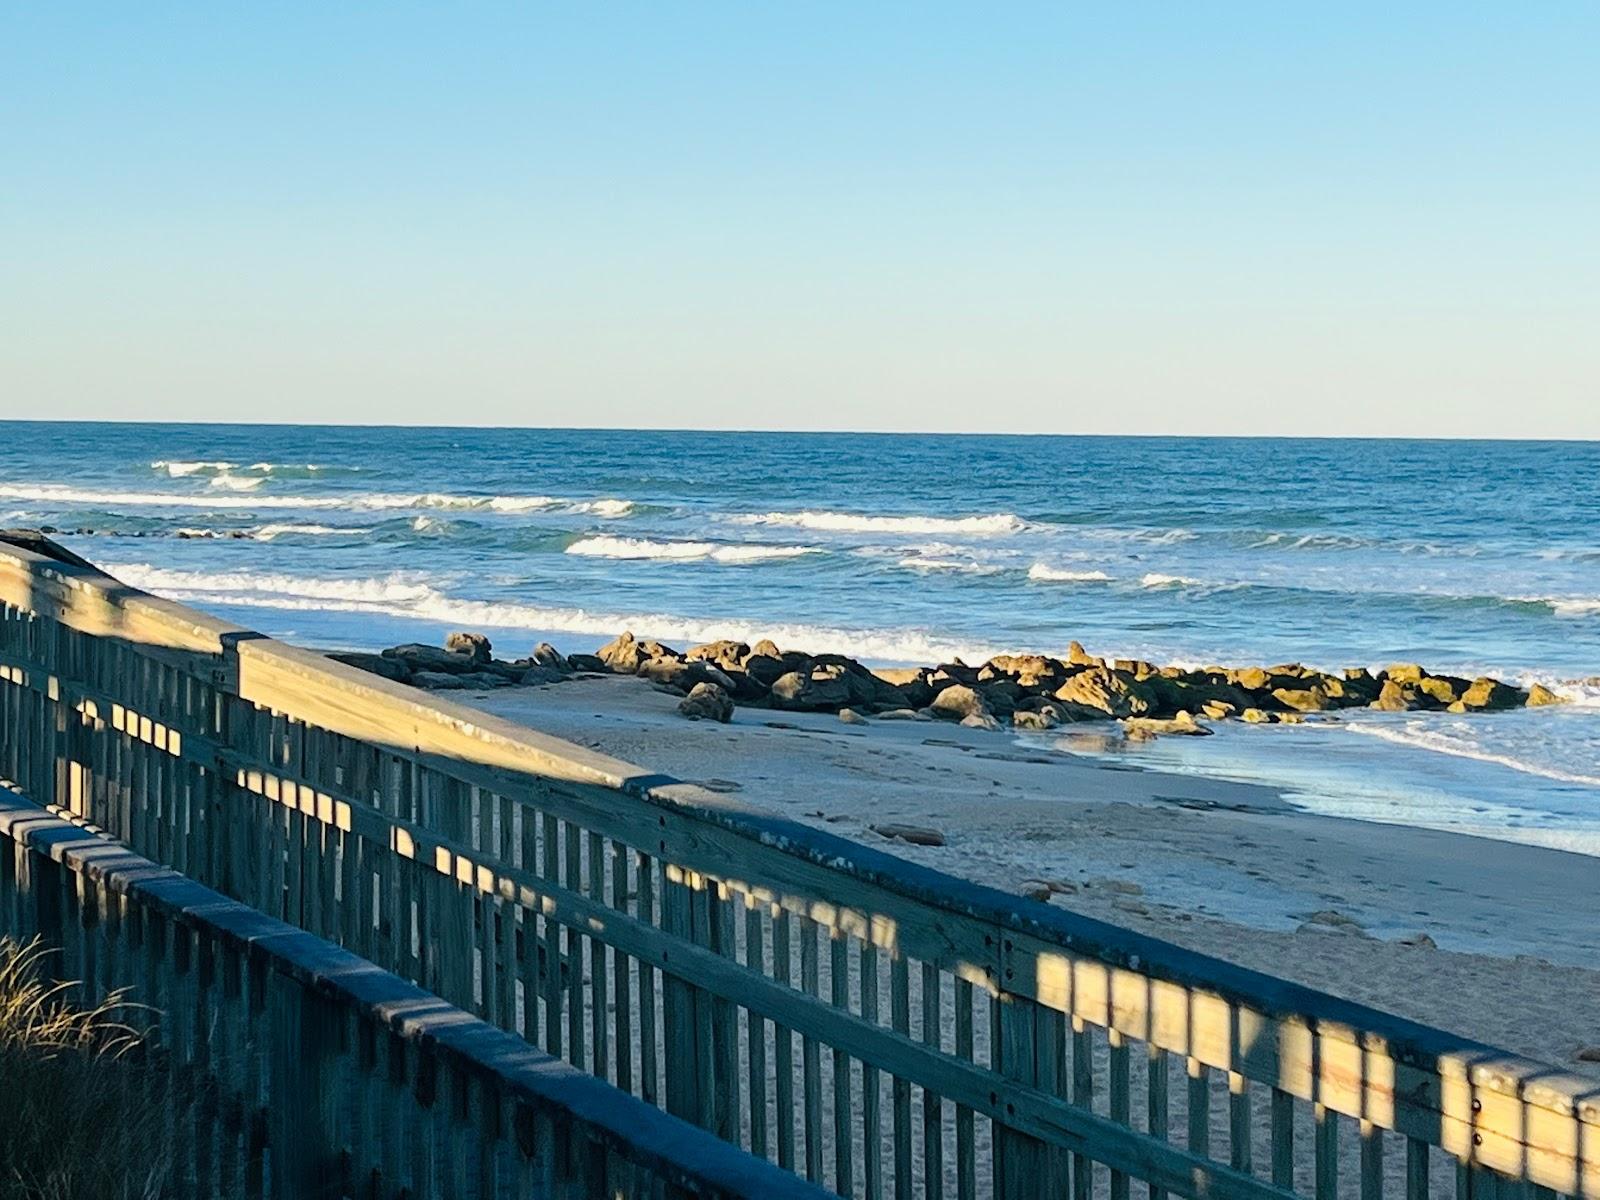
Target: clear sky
[[1164, 218]]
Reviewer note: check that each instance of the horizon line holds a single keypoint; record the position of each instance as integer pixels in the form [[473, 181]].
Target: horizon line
[[1261, 437]]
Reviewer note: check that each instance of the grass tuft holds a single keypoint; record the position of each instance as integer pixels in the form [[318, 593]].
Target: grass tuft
[[79, 1103]]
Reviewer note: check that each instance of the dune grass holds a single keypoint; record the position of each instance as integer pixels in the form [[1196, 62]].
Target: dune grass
[[76, 1094]]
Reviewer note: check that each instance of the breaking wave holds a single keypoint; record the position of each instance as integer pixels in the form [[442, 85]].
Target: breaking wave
[[179, 470], [1048, 574], [642, 548], [1438, 741], [353, 501], [404, 595]]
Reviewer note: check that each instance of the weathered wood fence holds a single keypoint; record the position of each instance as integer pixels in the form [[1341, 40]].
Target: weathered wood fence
[[285, 1066], [880, 1028]]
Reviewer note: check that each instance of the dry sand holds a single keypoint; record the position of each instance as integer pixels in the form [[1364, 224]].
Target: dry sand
[[1228, 869]]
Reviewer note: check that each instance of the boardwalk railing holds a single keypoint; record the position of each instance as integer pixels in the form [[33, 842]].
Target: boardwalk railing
[[291, 1068], [880, 1028]]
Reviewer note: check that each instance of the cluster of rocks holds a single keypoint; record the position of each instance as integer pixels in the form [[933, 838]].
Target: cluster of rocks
[[467, 661], [1027, 691]]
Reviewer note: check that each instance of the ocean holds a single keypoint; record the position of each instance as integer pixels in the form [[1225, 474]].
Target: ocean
[[1469, 557]]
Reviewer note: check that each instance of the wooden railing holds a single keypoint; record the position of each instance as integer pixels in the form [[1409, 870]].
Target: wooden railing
[[880, 1028], [284, 1066]]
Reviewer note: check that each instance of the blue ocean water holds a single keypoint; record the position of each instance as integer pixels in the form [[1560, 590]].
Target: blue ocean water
[[1471, 557]]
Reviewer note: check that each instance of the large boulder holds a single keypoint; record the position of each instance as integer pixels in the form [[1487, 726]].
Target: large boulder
[[1114, 693], [1003, 696], [474, 645], [912, 686], [435, 681], [1395, 696], [1539, 695], [684, 676], [1304, 699], [811, 691], [707, 702], [958, 702], [727, 655], [765, 668], [377, 664], [1360, 687], [1046, 714], [625, 654], [546, 655], [1182, 724], [1077, 656], [1031, 672], [1489, 695], [1443, 690], [418, 657]]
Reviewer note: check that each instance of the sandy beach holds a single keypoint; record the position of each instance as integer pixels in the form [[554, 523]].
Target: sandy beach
[[1229, 869]]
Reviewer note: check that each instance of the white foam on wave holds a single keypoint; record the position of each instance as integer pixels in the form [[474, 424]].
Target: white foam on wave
[[267, 532], [1043, 572], [353, 502], [404, 595], [227, 481], [1577, 607], [1149, 537], [602, 508], [395, 588], [1155, 579], [935, 562], [1310, 541], [838, 522], [1437, 741], [643, 548], [181, 469]]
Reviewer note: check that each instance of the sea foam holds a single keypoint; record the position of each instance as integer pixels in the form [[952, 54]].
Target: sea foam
[[1043, 572], [643, 548], [353, 501], [1439, 741], [405, 595]]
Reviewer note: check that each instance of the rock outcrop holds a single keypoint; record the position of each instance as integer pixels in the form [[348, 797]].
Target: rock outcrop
[[1024, 691]]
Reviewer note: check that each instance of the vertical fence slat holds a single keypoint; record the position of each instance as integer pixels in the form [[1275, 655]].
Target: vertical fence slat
[[966, 1139], [1282, 1134], [783, 1042], [871, 1081], [1371, 1161], [1416, 1169], [810, 1052], [900, 1087], [1118, 1100], [1240, 1154], [843, 1108], [1326, 1151], [932, 1105]]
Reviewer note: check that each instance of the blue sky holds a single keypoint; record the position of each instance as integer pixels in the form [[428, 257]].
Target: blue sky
[[1163, 218]]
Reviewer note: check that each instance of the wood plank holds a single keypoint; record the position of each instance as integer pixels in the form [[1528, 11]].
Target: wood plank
[[932, 1105]]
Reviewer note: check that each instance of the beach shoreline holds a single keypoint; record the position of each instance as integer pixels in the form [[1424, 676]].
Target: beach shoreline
[[1435, 926]]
